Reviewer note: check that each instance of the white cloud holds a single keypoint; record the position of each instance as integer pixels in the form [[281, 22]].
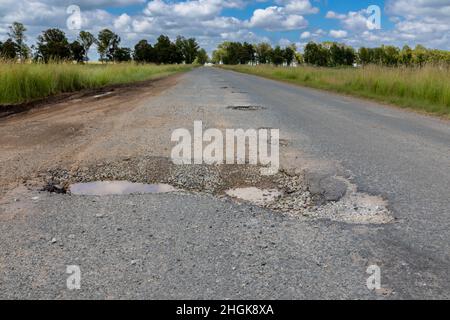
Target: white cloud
[[298, 6], [355, 21], [276, 18], [338, 34], [305, 35]]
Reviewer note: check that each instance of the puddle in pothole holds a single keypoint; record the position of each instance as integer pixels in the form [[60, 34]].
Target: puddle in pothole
[[255, 195], [103, 188]]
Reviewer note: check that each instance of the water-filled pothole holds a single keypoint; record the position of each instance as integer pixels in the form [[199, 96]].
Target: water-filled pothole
[[300, 193], [103, 188]]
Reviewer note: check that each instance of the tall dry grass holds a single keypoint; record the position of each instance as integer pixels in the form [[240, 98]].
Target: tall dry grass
[[26, 82], [426, 89]]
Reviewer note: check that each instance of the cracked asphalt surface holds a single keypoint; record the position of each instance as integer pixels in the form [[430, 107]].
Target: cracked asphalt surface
[[188, 246]]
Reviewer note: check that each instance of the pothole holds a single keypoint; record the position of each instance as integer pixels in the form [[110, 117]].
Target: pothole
[[103, 188], [246, 108], [255, 195], [297, 193]]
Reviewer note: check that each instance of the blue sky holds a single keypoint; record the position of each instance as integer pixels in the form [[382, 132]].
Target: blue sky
[[280, 22]]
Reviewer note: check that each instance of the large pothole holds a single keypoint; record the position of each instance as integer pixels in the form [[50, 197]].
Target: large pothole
[[304, 193]]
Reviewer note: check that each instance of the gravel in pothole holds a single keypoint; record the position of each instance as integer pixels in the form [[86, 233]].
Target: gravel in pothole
[[303, 194]]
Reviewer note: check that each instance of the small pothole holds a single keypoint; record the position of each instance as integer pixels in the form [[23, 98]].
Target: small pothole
[[246, 108], [54, 188]]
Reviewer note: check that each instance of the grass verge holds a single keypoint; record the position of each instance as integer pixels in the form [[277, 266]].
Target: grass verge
[[21, 83], [423, 89]]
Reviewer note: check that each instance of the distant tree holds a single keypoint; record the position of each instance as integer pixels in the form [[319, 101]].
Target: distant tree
[[316, 54], [263, 52], [9, 50], [188, 48], [143, 52], [247, 53], [406, 56], [364, 56], [53, 45], [377, 55], [299, 58], [233, 53], [86, 39], [289, 54], [77, 51], [107, 43], [337, 55], [390, 55], [163, 48], [349, 56], [219, 54], [17, 34], [277, 57], [420, 55], [202, 57], [122, 55]]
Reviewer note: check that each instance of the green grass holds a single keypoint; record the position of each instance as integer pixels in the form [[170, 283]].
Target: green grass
[[27, 82], [424, 89]]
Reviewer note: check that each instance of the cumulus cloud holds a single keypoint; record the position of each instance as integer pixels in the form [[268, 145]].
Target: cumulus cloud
[[338, 34], [305, 35], [355, 21], [276, 18], [298, 6]]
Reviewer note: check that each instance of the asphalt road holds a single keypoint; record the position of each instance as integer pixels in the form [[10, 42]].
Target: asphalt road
[[191, 246]]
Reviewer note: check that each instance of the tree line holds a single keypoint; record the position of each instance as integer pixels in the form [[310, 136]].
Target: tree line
[[327, 54], [53, 45], [263, 53]]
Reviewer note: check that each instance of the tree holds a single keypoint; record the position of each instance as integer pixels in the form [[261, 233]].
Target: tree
[[143, 52], [316, 54], [299, 58], [390, 55], [77, 51], [263, 52], [17, 34], [406, 56], [188, 48], [364, 56], [122, 55], [420, 55], [349, 56], [53, 45], [107, 43], [9, 50], [163, 48], [277, 56], [219, 54], [233, 52], [86, 39], [337, 55], [289, 54], [202, 57], [247, 53]]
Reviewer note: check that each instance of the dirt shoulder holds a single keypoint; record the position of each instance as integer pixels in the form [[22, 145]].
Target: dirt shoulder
[[58, 130]]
